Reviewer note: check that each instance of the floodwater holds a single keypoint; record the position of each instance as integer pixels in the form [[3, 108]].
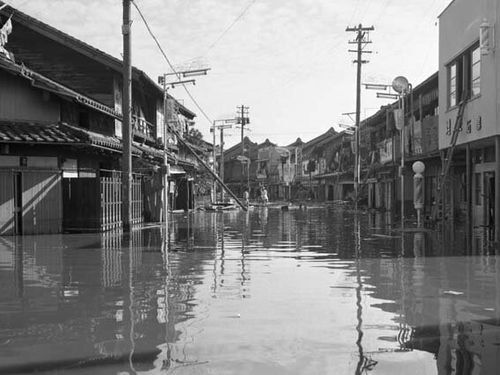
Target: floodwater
[[316, 291]]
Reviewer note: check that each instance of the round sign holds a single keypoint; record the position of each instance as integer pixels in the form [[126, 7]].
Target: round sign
[[418, 167], [400, 84]]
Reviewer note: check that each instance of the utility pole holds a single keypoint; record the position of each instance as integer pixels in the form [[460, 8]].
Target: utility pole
[[223, 124], [166, 129], [162, 80], [362, 39], [243, 120], [214, 158], [221, 173], [127, 118], [165, 157]]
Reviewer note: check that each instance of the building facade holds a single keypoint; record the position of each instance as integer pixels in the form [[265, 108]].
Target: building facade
[[468, 78], [380, 150], [60, 140]]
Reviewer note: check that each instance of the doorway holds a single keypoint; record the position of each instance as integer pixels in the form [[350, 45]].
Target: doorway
[[489, 182], [330, 193]]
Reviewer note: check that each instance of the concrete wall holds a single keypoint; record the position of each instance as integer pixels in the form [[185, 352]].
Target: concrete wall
[[458, 31]]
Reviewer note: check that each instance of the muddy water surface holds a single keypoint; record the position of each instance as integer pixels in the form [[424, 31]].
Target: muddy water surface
[[316, 291]]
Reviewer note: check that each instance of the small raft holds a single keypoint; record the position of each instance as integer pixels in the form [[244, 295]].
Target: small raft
[[220, 206]]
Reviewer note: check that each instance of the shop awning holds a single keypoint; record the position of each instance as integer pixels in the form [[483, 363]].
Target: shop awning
[[175, 169]]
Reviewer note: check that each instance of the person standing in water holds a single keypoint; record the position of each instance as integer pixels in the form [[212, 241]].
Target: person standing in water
[[246, 198], [265, 198]]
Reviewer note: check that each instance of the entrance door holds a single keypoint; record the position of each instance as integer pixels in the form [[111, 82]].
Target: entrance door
[[388, 196], [330, 193], [489, 178]]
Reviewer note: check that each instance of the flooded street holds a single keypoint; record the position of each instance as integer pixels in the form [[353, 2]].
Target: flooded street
[[316, 291]]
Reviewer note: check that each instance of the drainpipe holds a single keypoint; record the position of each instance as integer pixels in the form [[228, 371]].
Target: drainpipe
[[497, 189]]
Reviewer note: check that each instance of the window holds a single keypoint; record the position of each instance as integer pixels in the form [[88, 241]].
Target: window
[[452, 85], [83, 120], [489, 154], [476, 72], [464, 76]]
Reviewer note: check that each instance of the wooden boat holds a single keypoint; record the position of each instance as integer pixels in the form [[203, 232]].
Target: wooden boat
[[221, 206]]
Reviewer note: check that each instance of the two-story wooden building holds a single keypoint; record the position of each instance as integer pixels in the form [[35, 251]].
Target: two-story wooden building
[[381, 149], [51, 80]]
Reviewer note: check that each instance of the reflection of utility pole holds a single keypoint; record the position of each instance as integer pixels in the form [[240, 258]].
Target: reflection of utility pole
[[362, 39], [243, 120], [244, 237], [359, 287], [222, 251]]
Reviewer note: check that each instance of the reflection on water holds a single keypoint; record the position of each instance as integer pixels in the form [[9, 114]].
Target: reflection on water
[[316, 291]]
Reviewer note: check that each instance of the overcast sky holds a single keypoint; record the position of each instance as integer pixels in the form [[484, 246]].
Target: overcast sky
[[286, 60]]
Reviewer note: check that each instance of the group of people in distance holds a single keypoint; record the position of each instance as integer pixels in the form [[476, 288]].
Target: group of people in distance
[[263, 197]]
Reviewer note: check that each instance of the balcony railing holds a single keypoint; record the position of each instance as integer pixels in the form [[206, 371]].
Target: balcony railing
[[143, 128]]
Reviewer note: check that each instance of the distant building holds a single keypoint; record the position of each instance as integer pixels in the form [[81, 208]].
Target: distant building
[[317, 162], [275, 170], [335, 175], [240, 171]]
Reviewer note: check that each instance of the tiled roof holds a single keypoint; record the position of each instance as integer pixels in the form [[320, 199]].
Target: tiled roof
[[64, 134], [150, 151], [15, 132], [57, 133], [97, 139]]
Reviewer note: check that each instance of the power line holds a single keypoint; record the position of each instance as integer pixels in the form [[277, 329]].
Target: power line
[[354, 13], [240, 16], [169, 62]]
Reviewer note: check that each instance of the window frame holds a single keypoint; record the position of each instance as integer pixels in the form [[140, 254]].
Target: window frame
[[461, 77], [474, 78], [452, 94]]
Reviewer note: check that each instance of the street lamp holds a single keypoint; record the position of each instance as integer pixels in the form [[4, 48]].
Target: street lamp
[[401, 85]]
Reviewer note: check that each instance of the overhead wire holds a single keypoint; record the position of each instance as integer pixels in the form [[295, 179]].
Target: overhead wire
[[239, 17], [423, 65], [169, 62]]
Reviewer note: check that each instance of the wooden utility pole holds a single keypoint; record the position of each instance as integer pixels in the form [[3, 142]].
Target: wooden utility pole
[[165, 155], [361, 41], [223, 124], [221, 172], [127, 119], [214, 157], [166, 128], [242, 112]]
